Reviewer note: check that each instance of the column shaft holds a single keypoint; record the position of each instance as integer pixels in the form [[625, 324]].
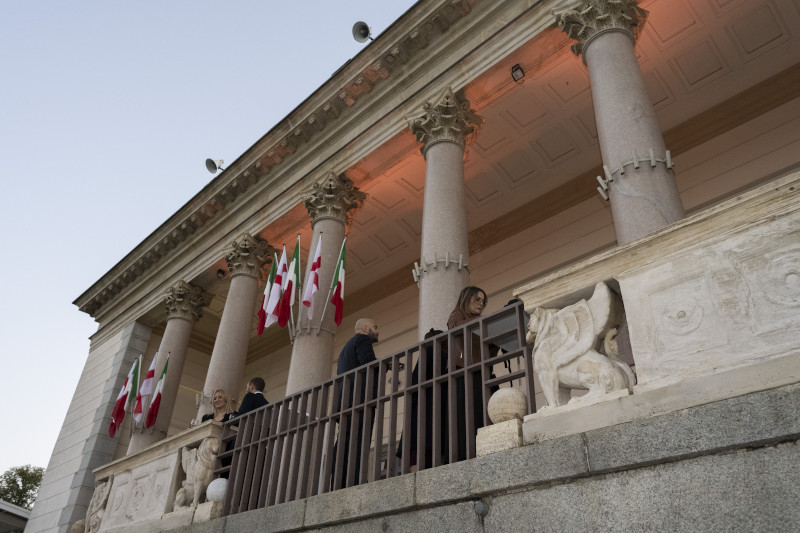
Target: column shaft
[[330, 203], [444, 130], [642, 190], [175, 343], [184, 305], [312, 353], [646, 199], [246, 263], [444, 235]]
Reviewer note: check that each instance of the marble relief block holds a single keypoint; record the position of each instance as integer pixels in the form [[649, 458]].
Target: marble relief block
[[716, 305], [143, 493]]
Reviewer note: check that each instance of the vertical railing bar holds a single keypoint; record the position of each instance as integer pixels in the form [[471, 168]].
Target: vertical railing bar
[[376, 464], [266, 472], [366, 425], [277, 454], [294, 470], [257, 461], [312, 437], [436, 423], [390, 457]]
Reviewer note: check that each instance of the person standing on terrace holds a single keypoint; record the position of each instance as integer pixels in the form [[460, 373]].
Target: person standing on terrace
[[471, 303], [254, 397], [357, 352]]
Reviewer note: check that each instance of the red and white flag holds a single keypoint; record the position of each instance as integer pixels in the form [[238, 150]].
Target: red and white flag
[[276, 291], [337, 286], [152, 413], [289, 287], [312, 283], [262, 311], [144, 391], [122, 399]]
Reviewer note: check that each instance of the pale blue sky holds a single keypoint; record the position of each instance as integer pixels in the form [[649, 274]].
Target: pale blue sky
[[108, 111]]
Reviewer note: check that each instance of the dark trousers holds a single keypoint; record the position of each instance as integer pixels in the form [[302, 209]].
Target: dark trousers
[[361, 427]]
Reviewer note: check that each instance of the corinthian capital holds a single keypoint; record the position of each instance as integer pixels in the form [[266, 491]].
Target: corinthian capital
[[334, 196], [248, 256], [185, 301], [447, 119], [589, 18]]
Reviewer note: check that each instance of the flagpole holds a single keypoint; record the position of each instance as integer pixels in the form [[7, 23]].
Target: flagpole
[[136, 386], [328, 297], [299, 287]]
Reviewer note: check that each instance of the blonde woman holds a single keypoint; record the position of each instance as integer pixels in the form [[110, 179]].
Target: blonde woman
[[223, 407]]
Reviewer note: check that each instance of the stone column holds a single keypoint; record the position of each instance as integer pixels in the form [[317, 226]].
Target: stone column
[[184, 305], [246, 261], [642, 191], [443, 271], [330, 203]]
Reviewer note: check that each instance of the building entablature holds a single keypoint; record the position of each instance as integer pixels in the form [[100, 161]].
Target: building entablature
[[354, 109]]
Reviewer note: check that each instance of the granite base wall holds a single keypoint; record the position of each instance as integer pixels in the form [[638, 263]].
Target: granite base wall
[[731, 465]]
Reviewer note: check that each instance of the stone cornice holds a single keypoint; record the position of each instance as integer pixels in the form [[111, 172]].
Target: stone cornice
[[589, 18], [422, 25]]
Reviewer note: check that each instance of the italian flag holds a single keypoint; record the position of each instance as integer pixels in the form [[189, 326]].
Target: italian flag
[[122, 399], [337, 286], [276, 291], [144, 391], [152, 413], [289, 287], [312, 283], [262, 311]]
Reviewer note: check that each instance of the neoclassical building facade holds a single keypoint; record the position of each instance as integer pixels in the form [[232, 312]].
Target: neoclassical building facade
[[465, 146]]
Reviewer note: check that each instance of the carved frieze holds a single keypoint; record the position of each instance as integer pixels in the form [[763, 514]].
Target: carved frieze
[[446, 120], [248, 256], [185, 301], [591, 18], [334, 196]]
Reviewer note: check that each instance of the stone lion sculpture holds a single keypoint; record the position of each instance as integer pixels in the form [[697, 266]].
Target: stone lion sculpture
[[575, 348], [198, 464]]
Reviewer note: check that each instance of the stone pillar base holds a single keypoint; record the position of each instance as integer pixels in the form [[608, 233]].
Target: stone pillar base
[[207, 511], [499, 437]]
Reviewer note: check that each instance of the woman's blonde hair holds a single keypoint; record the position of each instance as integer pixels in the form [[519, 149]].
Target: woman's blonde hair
[[229, 408], [466, 295]]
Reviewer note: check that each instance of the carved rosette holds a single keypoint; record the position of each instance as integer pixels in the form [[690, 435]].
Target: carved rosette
[[185, 301], [591, 18], [335, 197], [248, 256], [446, 120]]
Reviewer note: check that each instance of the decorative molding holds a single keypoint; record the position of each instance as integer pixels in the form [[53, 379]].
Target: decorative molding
[[335, 197], [590, 18], [185, 301], [446, 120], [275, 149], [248, 256]]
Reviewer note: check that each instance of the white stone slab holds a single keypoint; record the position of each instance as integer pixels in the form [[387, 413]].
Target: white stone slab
[[689, 393], [499, 437], [143, 493]]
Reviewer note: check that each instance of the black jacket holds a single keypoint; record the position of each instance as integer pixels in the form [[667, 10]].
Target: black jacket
[[251, 401], [357, 352]]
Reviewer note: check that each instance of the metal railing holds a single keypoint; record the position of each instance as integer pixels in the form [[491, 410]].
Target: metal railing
[[396, 407]]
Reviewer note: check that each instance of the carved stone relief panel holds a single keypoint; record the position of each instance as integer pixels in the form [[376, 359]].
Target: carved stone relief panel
[[717, 305], [143, 493]]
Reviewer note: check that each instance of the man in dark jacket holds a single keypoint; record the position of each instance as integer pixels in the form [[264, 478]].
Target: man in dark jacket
[[357, 352], [254, 397]]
